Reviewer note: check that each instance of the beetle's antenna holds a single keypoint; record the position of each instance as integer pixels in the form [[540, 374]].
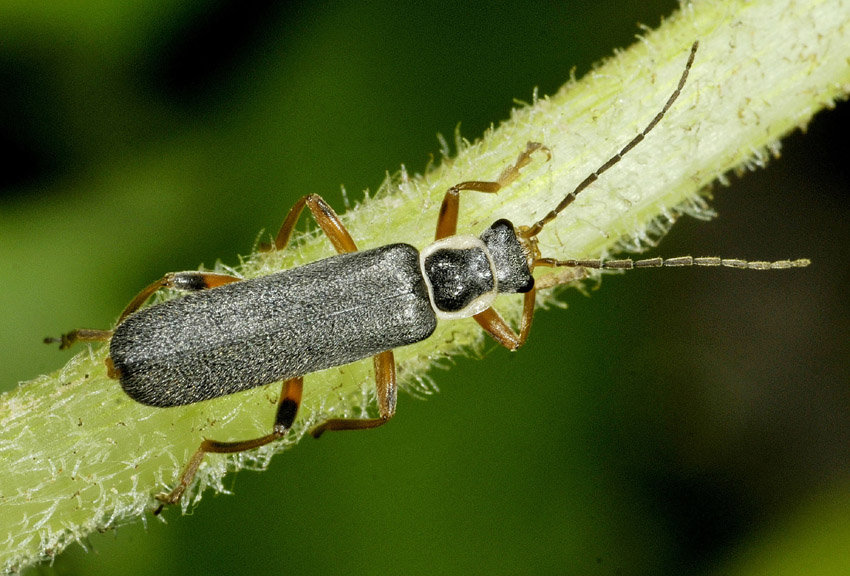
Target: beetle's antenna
[[678, 262], [535, 228]]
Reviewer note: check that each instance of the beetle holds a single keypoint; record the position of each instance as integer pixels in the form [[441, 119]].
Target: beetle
[[227, 334]]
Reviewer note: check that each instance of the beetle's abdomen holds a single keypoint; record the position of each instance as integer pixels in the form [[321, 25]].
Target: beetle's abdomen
[[234, 337]]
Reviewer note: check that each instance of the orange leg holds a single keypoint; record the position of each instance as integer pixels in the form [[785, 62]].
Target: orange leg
[[387, 389], [447, 220], [189, 281], [79, 335], [325, 217], [496, 326], [287, 409]]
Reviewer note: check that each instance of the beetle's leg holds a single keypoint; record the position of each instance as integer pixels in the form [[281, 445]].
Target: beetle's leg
[[190, 281], [387, 388], [178, 280], [447, 220], [79, 335], [287, 409], [496, 326], [325, 217]]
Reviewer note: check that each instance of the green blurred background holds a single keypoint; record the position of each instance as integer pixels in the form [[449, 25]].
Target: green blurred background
[[675, 422]]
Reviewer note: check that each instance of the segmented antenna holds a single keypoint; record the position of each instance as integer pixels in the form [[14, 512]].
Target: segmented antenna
[[535, 228], [678, 262]]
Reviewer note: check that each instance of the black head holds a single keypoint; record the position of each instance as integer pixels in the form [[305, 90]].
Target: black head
[[509, 257]]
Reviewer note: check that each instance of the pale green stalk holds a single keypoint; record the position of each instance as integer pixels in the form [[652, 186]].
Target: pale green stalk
[[78, 455]]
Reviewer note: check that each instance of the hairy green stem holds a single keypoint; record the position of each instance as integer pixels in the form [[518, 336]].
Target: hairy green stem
[[78, 455]]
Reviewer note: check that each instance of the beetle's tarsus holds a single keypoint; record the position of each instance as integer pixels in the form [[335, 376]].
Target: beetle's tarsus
[[68, 339], [63, 341]]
